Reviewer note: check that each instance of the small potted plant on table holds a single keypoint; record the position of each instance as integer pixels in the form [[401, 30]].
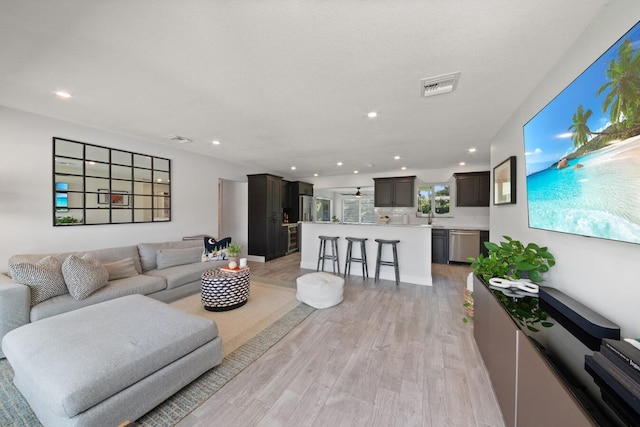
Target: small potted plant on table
[[233, 252]]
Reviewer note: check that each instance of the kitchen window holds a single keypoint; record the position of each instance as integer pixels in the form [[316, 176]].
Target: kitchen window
[[358, 210], [435, 199]]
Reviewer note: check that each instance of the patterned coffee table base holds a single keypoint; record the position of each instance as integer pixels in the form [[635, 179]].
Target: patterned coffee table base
[[222, 291]]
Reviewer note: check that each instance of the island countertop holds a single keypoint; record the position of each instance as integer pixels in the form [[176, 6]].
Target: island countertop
[[414, 249], [448, 225]]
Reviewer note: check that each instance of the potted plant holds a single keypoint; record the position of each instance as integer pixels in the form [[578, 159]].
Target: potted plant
[[514, 261], [233, 251], [510, 260]]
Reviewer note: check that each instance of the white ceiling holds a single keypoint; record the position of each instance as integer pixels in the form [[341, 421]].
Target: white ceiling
[[283, 83]]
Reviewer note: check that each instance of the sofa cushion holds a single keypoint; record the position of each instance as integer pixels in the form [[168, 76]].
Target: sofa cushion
[[140, 284], [111, 255], [166, 258], [84, 275], [121, 269], [148, 251], [44, 278], [102, 255], [183, 274]]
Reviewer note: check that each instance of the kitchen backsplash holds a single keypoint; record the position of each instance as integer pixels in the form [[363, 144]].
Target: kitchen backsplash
[[461, 217]]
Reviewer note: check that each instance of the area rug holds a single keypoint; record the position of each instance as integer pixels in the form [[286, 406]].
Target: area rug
[[267, 303], [14, 410]]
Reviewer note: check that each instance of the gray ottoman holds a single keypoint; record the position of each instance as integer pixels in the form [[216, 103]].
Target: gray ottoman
[[109, 362]]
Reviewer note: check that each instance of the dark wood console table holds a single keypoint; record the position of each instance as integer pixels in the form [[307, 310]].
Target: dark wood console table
[[536, 365]]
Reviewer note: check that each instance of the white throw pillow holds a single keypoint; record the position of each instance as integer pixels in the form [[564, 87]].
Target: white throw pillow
[[84, 275], [121, 269], [44, 278]]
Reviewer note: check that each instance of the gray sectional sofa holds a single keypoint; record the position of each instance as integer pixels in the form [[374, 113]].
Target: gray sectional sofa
[[156, 275]]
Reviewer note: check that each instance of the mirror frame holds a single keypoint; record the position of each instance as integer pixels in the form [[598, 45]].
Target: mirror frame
[[124, 187]]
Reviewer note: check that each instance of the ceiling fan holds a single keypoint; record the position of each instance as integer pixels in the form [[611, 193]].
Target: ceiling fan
[[357, 193]]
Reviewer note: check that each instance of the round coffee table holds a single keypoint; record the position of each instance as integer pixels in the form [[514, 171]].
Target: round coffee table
[[223, 290]]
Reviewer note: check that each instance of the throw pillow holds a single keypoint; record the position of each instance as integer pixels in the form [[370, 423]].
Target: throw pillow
[[44, 278], [166, 258], [121, 269], [84, 275], [215, 250]]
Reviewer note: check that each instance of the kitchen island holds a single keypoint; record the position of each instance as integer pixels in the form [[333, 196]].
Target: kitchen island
[[414, 249]]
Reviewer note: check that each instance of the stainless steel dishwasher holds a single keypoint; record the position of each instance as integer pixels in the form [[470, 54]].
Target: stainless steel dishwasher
[[463, 244]]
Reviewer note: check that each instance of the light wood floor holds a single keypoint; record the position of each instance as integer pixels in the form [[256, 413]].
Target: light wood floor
[[386, 356]]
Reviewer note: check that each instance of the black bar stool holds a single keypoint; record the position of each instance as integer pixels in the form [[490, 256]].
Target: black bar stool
[[350, 257], [393, 263], [322, 253]]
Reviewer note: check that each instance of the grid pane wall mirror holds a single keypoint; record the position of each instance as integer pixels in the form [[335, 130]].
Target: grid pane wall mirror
[[99, 185]]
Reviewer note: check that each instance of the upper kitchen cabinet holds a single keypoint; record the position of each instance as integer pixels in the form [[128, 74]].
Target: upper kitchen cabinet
[[304, 188], [395, 192], [472, 189]]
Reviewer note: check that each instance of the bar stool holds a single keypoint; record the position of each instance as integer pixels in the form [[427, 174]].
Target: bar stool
[[322, 253], [351, 258], [393, 263]]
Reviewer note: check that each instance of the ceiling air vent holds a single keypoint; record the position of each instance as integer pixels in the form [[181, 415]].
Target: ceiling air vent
[[438, 85], [178, 138]]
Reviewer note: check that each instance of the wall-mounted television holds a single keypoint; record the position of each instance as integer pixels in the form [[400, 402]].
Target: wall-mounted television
[[582, 150]]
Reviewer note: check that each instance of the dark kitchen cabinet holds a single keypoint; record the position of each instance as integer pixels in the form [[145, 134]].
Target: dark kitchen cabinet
[[285, 194], [472, 189], [265, 216], [484, 237], [304, 188], [439, 246], [394, 192]]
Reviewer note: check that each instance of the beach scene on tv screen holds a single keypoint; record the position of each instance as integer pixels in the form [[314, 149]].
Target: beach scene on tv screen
[[582, 151]]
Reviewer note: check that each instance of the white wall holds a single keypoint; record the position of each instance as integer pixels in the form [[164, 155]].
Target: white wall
[[601, 274], [26, 200], [234, 207]]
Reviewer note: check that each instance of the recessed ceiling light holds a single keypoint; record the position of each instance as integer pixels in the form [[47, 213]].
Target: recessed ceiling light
[[462, 163], [215, 142], [355, 171], [396, 158], [339, 163], [404, 168], [293, 168], [372, 114], [315, 174], [472, 150], [63, 94]]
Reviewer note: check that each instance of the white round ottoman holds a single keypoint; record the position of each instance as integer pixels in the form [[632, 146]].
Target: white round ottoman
[[320, 290]]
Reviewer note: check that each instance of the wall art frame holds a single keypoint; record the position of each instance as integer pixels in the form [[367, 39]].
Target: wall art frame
[[504, 182]]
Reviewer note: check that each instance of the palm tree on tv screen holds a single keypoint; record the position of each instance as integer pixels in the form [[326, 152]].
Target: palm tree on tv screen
[[581, 131], [623, 100], [624, 86]]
